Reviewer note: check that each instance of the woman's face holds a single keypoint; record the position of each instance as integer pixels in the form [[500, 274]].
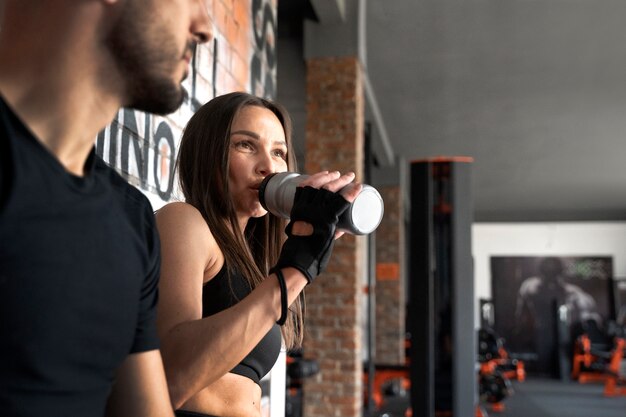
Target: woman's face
[[257, 149]]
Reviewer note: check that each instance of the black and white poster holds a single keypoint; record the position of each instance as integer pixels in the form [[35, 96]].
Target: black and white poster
[[533, 296]]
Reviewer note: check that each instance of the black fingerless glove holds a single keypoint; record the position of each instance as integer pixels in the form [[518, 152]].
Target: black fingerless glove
[[310, 254]]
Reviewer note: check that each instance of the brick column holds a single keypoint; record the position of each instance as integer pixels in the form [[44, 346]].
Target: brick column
[[334, 140], [390, 296]]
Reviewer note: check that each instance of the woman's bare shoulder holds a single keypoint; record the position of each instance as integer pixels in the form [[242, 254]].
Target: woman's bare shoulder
[[184, 231], [176, 209], [181, 216], [183, 223]]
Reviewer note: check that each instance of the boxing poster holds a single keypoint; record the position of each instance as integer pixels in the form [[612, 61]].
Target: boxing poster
[[541, 304]]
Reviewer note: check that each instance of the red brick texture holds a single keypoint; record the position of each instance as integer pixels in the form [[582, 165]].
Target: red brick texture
[[334, 140], [390, 297], [232, 26]]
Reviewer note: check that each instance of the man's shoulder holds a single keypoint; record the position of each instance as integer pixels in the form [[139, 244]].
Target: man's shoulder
[[574, 291], [530, 286], [120, 185], [132, 201]]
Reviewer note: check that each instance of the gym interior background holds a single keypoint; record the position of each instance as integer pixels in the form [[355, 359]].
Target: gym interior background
[[533, 91]]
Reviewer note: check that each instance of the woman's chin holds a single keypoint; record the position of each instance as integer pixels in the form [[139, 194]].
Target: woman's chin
[[259, 212]]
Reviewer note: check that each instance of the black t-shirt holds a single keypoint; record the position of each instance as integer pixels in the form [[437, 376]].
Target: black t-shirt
[[79, 267]]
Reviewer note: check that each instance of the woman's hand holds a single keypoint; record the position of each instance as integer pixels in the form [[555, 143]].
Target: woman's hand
[[314, 215], [332, 181]]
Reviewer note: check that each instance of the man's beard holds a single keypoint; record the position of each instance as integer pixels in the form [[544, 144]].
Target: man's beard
[[146, 59], [153, 94]]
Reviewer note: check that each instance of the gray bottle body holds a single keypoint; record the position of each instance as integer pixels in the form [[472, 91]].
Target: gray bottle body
[[278, 190]]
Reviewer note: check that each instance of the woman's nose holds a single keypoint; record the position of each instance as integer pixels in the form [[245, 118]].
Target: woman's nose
[[265, 165]]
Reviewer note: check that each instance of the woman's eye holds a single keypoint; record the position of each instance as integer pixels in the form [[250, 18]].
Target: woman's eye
[[243, 145], [280, 153]]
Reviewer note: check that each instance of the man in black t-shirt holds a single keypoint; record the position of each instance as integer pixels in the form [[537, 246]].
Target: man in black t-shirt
[[79, 254]]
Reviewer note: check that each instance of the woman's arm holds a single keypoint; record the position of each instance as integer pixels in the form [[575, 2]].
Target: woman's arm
[[197, 351]]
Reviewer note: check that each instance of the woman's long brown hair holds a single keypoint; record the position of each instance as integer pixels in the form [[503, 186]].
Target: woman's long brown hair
[[203, 163]]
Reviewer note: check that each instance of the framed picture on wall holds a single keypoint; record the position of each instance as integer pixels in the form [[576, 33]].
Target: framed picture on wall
[[620, 300], [529, 293]]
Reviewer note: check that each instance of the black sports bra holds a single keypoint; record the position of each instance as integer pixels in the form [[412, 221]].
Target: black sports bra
[[217, 295]]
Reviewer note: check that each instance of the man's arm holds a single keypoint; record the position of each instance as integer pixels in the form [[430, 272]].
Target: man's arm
[[140, 388]]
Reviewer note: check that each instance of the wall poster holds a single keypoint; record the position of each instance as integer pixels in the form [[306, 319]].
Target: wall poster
[[527, 293]]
